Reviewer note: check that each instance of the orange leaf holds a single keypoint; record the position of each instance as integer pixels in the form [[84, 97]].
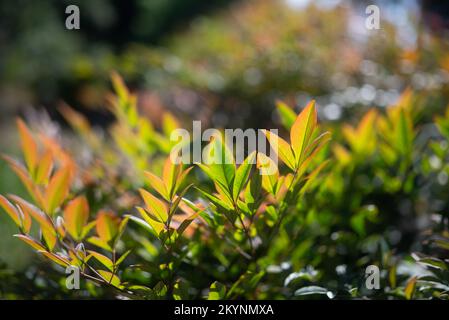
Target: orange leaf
[[157, 185], [44, 168], [107, 225], [10, 210], [76, 215], [26, 220], [30, 241], [57, 190], [56, 258], [43, 220], [26, 180], [29, 147]]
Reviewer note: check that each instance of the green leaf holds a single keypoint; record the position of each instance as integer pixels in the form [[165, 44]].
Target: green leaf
[[154, 205], [286, 113], [217, 291], [99, 243], [404, 134], [220, 166], [180, 290], [142, 223], [122, 258], [156, 225], [253, 188], [103, 259], [111, 278], [242, 175], [187, 222], [313, 290]]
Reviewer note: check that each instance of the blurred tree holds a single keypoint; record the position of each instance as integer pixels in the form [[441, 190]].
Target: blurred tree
[[38, 55]]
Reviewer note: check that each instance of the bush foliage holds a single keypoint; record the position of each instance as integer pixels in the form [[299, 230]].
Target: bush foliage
[[138, 226]]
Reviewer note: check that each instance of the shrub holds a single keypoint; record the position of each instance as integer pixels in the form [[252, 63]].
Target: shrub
[[137, 225]]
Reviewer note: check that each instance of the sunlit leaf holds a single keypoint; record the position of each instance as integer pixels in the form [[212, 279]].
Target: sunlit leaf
[[62, 261], [103, 259], [153, 222], [302, 130], [287, 115], [31, 242], [217, 291], [122, 257], [26, 180], [110, 278], [242, 175], [169, 175], [10, 210], [154, 205], [29, 147], [76, 214], [44, 168], [409, 290], [100, 243], [107, 225], [157, 184], [57, 190], [282, 148]]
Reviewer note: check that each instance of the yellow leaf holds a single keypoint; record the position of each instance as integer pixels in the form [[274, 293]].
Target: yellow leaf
[[119, 86], [100, 243], [169, 175], [154, 205], [157, 184], [56, 258], [44, 168], [342, 155], [29, 147], [30, 241], [156, 225], [169, 123], [103, 259], [50, 237], [36, 213], [269, 172], [287, 115], [282, 148], [111, 278], [302, 130], [26, 180], [57, 190], [76, 214], [410, 288], [180, 179], [10, 210]]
